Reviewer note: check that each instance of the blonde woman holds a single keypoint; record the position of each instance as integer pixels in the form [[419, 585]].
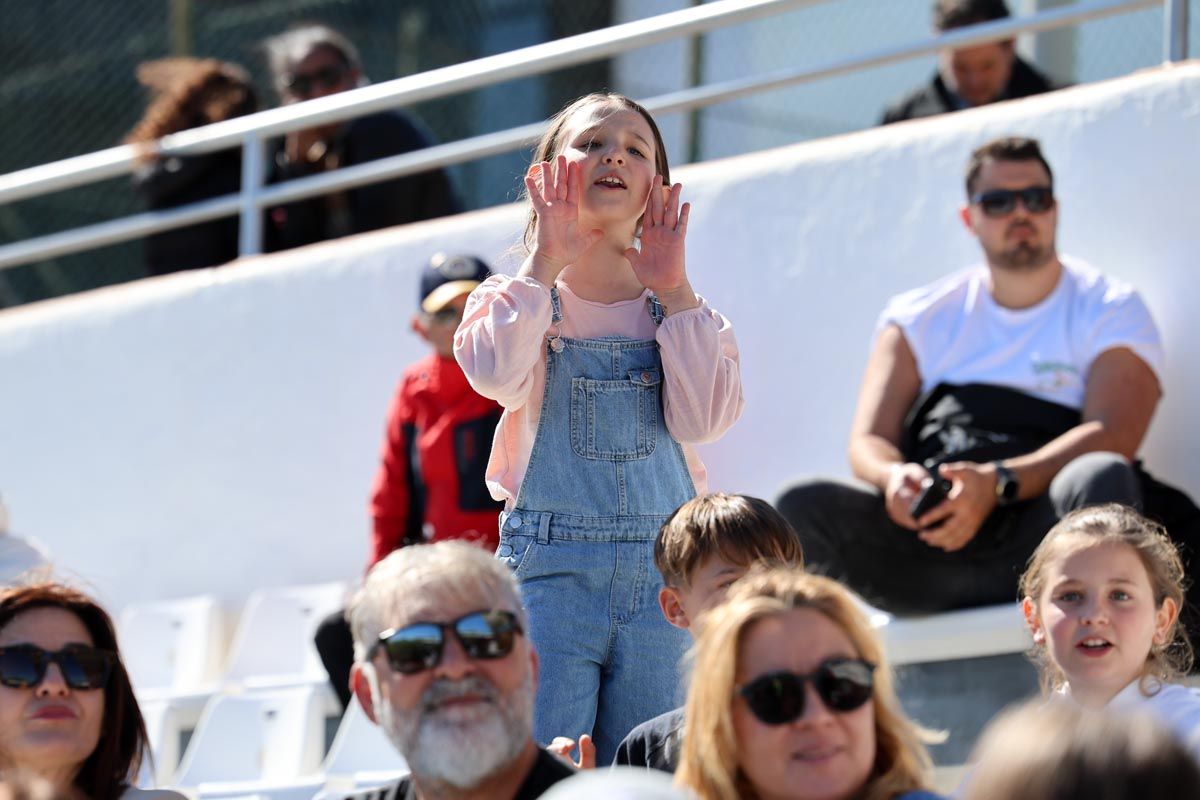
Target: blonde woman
[[791, 698]]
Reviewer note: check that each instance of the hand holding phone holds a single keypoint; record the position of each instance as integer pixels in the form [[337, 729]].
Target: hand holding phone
[[931, 496]]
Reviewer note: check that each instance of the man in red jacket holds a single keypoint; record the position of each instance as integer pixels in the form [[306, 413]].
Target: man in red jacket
[[430, 484]]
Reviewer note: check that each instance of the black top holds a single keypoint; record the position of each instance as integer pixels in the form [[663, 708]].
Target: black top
[[408, 199], [180, 180], [935, 98], [547, 771], [656, 743]]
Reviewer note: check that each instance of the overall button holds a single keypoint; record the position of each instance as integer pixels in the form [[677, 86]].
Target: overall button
[[646, 377], [514, 521]]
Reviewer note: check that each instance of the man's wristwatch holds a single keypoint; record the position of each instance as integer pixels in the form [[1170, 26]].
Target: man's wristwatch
[[1007, 486]]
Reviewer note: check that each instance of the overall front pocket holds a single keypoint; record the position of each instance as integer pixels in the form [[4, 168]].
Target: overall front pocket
[[616, 420]]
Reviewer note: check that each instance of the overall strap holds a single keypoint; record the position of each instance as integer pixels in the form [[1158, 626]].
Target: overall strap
[[655, 309], [554, 340]]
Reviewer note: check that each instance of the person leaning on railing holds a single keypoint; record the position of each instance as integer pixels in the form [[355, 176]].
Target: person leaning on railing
[[67, 711], [190, 92], [315, 61]]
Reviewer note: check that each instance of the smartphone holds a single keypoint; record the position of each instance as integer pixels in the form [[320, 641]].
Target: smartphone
[[930, 496]]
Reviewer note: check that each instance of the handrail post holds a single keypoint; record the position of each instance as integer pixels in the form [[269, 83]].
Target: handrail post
[[1175, 30], [250, 220]]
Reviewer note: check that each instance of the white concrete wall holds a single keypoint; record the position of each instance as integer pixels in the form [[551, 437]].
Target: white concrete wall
[[218, 430]]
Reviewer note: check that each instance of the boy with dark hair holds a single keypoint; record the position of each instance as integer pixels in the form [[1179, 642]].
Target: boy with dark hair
[[706, 545]]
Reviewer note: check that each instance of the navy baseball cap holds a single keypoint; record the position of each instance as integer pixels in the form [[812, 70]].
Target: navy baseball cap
[[446, 277]]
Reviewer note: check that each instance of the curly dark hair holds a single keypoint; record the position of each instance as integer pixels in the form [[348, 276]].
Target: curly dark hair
[[114, 764], [191, 92]]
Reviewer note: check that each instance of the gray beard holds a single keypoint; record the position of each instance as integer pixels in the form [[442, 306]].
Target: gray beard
[[462, 752]]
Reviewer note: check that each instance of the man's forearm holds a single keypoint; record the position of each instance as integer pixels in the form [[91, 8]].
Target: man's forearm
[[1035, 470], [872, 458]]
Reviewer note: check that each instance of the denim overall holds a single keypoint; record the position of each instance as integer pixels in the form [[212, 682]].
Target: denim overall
[[603, 476]]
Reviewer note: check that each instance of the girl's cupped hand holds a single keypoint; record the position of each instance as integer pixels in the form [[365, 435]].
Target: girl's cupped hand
[[554, 192]]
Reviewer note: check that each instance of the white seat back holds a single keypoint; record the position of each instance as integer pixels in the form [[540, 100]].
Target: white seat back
[[163, 730], [176, 646], [274, 640], [262, 735], [362, 748], [969, 633]]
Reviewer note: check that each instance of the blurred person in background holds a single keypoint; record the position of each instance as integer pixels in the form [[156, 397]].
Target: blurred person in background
[[190, 93], [430, 482], [970, 76], [1060, 751], [315, 61], [68, 714], [792, 697]]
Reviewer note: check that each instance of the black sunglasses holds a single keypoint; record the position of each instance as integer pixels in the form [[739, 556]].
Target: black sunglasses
[[1001, 202], [324, 78], [417, 647], [82, 666], [843, 684]]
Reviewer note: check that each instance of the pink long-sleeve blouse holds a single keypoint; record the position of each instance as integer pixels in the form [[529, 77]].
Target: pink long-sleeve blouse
[[501, 347]]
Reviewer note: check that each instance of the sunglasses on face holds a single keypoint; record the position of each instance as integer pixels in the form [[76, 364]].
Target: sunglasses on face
[[843, 684], [83, 667], [1002, 202], [302, 85], [418, 647]]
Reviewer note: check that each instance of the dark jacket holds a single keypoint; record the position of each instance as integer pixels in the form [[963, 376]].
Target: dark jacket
[[547, 771], [175, 181], [379, 205], [934, 98]]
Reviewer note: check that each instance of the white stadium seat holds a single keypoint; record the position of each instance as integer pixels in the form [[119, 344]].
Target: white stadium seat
[[260, 737], [273, 645], [173, 647], [361, 755]]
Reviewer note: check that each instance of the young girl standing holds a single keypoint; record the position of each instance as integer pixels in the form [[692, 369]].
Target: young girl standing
[[1102, 596], [607, 365]]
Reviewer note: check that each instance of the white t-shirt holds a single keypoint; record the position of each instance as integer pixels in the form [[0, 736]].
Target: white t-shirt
[[1176, 707], [958, 334]]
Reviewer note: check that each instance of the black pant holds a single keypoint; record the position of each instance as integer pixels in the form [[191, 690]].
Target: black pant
[[847, 534], [335, 644]]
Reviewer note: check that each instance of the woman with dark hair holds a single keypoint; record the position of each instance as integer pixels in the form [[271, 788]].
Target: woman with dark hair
[[67, 710], [189, 93]]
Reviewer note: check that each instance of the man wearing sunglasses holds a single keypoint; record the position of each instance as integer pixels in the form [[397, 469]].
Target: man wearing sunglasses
[[314, 61], [443, 665], [1024, 384]]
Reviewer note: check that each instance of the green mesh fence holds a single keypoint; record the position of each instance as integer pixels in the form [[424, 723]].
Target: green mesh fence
[[67, 83]]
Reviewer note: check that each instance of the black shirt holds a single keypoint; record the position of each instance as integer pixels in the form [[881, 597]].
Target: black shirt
[[547, 771], [656, 743]]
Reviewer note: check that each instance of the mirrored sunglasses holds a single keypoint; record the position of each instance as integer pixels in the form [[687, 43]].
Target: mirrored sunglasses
[[843, 684], [418, 647], [1002, 202], [82, 666]]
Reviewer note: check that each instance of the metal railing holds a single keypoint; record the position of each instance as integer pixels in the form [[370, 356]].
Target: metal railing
[[251, 132]]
